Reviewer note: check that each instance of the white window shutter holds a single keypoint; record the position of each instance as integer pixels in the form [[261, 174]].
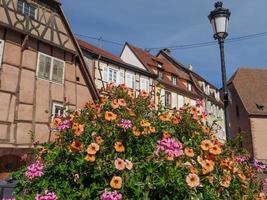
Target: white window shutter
[[104, 74], [58, 71], [121, 76], [1, 51], [44, 66], [162, 97], [174, 100], [180, 101]]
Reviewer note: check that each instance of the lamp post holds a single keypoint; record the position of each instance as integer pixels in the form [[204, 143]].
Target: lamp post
[[219, 18]]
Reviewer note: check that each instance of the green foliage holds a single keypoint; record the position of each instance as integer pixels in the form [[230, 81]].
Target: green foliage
[[70, 174]]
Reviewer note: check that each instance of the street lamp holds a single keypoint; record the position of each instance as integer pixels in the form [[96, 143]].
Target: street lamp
[[219, 18]]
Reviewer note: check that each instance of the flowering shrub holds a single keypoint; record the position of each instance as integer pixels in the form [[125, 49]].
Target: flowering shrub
[[124, 148]]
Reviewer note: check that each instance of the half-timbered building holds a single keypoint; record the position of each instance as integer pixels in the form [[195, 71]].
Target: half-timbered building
[[41, 68]]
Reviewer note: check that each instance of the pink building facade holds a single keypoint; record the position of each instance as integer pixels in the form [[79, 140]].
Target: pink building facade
[[41, 68]]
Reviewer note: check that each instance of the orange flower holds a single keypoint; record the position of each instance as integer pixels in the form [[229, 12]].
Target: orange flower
[[90, 104], [152, 129], [166, 134], [193, 111], [215, 149], [136, 132], [119, 147], [122, 102], [143, 94], [206, 129], [242, 176], [119, 164], [99, 140], [192, 180], [128, 164], [110, 116], [164, 117], [189, 152], [103, 99], [211, 179], [55, 123], [131, 94], [92, 148], [193, 170], [79, 130], [208, 166], [76, 146], [116, 182], [90, 158], [130, 112], [176, 120], [115, 104], [144, 123], [226, 181], [206, 145]]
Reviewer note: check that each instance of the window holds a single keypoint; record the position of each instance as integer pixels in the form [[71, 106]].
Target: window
[[26, 9], [174, 80], [50, 68], [57, 110], [144, 84], [1, 51], [110, 74], [189, 86], [167, 99], [160, 74], [130, 80]]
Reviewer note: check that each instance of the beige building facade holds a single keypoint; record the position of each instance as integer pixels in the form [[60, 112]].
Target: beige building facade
[[41, 69]]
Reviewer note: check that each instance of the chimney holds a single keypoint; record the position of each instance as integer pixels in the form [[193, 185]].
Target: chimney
[[190, 67], [167, 51]]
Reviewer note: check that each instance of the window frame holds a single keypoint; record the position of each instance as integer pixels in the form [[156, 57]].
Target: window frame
[[146, 81], [189, 86], [2, 46], [51, 68], [160, 74], [133, 80], [54, 104], [31, 6], [168, 94], [174, 79]]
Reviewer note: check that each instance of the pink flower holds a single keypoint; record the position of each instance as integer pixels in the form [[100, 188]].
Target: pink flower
[[125, 124], [264, 182], [119, 164], [46, 196], [240, 159], [259, 166], [35, 170], [111, 195], [199, 103], [64, 125], [170, 147]]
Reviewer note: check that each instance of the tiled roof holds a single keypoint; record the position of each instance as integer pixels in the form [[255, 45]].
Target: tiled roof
[[151, 61], [111, 57], [251, 86], [98, 51]]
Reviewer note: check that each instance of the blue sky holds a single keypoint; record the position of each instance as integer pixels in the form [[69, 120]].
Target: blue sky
[[158, 23]]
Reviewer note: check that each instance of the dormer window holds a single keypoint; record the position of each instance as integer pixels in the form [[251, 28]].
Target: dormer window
[[160, 74], [159, 64], [174, 80], [26, 9], [260, 107], [189, 86]]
